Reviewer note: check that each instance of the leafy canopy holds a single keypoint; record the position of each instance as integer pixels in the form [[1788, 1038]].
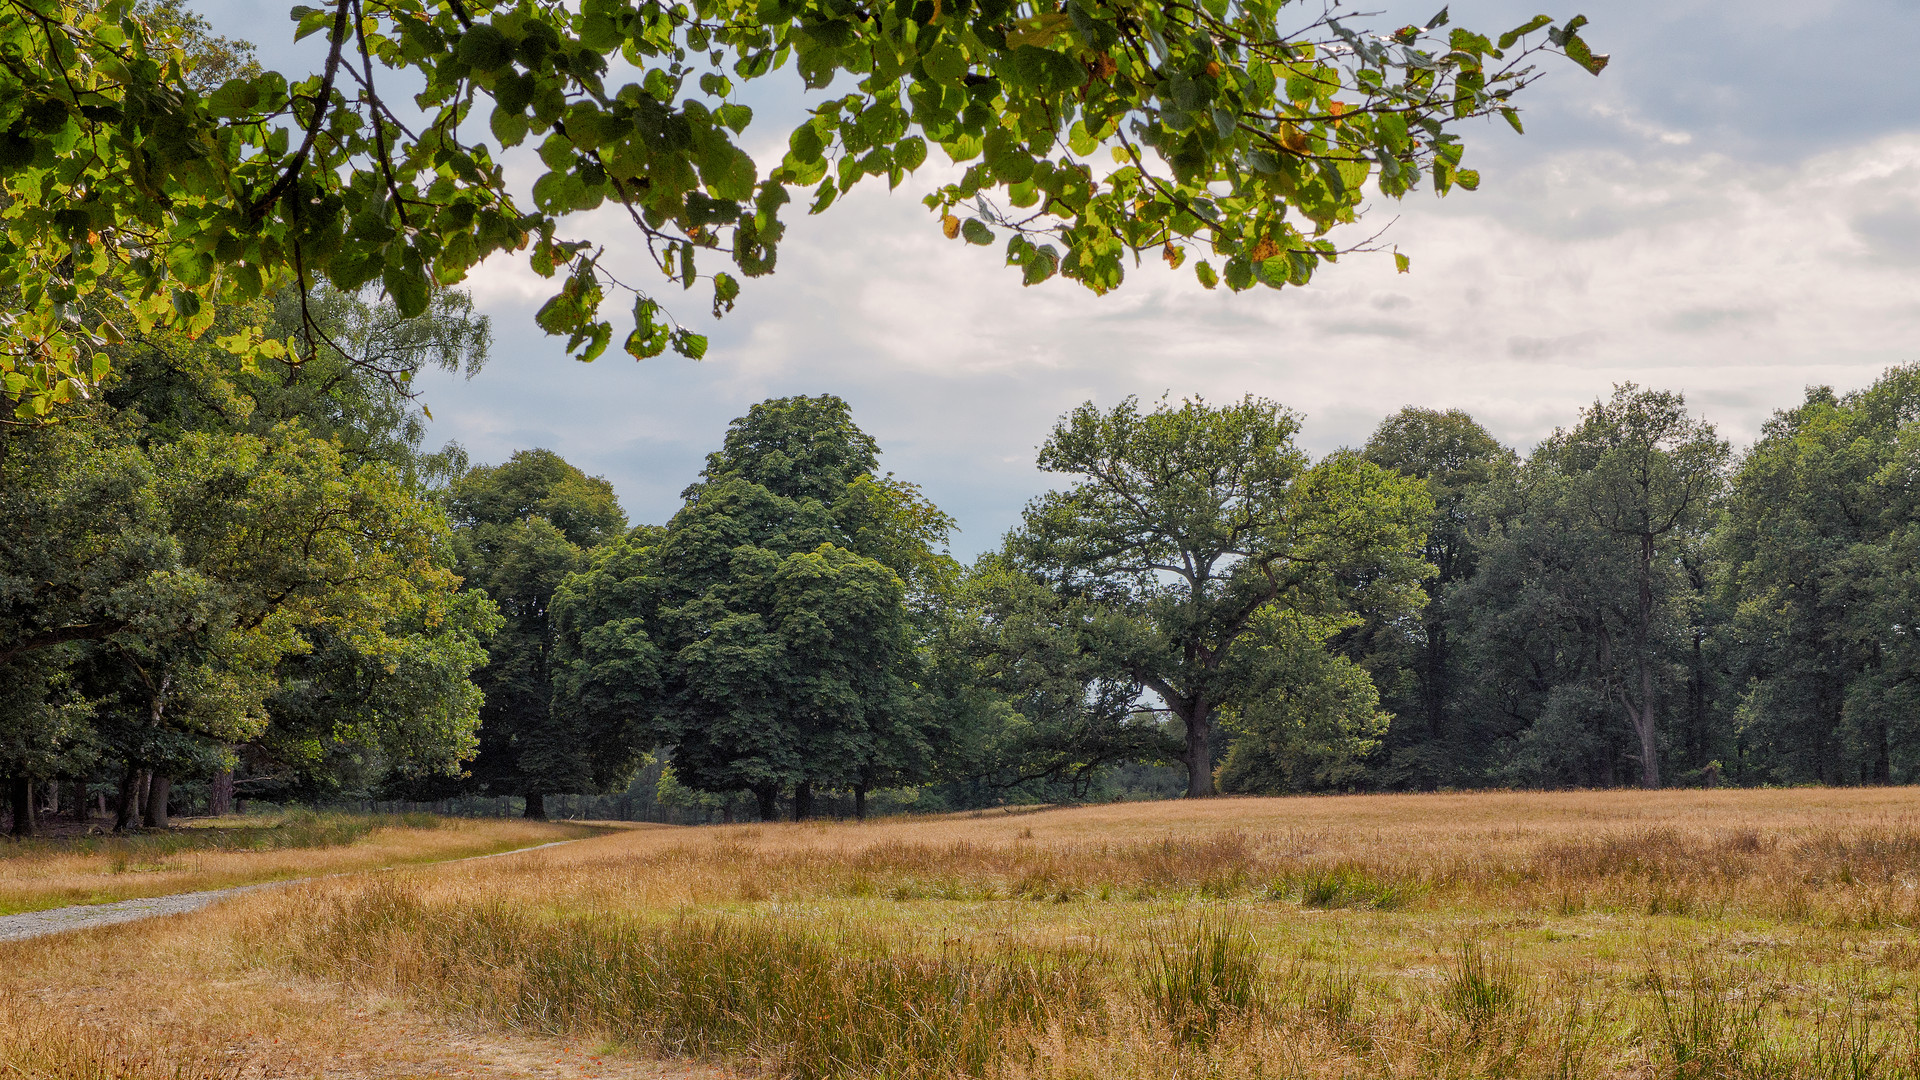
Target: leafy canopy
[[1190, 524], [137, 193], [765, 633]]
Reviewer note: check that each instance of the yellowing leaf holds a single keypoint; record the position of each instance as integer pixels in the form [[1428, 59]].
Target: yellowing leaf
[[1039, 31]]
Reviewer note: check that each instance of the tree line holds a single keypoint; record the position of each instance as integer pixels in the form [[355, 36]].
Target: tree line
[[255, 581]]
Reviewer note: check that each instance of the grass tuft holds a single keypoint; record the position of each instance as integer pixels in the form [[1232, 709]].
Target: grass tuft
[[1201, 976], [1349, 886], [1482, 992]]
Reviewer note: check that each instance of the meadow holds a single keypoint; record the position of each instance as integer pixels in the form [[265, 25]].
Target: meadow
[[1674, 934]]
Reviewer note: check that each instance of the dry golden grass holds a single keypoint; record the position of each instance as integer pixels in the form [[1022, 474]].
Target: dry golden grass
[[181, 997], [49, 874], [1620, 934]]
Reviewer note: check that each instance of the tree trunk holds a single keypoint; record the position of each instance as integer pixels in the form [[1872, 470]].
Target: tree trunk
[[1643, 720], [53, 796], [159, 789], [220, 794], [126, 812], [860, 803], [81, 800], [768, 796], [536, 806], [1199, 752], [802, 800], [26, 817]]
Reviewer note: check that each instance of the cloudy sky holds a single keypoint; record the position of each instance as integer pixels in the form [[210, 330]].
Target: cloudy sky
[[1732, 210]]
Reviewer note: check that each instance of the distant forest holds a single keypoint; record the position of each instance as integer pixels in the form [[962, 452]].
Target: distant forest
[[221, 583]]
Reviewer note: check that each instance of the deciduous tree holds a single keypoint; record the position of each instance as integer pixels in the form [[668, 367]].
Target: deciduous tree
[[1191, 521], [1413, 660], [766, 633], [522, 527]]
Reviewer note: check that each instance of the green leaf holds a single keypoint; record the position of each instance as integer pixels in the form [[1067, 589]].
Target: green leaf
[[650, 335], [508, 127], [235, 97], [1512, 116], [311, 21], [689, 344], [1239, 274], [834, 33], [735, 116], [910, 152], [726, 288], [1577, 50], [805, 143], [1402, 264], [945, 63], [484, 48], [1081, 141], [1038, 266], [408, 290], [1046, 71], [1204, 271], [728, 172], [1507, 39], [976, 231]]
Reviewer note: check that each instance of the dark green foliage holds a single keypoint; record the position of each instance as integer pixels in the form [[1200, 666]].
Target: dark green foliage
[[220, 565], [1433, 740], [1030, 700], [765, 633], [1819, 573], [1188, 532], [521, 528], [1308, 718], [172, 178]]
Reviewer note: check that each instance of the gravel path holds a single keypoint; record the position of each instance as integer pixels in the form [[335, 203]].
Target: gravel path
[[85, 916]]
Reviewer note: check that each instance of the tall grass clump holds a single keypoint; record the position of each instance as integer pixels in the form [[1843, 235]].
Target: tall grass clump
[[1482, 991], [1201, 976], [1705, 1027], [1349, 886], [806, 1002]]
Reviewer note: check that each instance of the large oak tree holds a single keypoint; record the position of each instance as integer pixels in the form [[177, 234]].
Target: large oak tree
[[1185, 525]]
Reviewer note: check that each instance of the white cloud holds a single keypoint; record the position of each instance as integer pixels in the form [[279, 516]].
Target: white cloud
[[1735, 283]]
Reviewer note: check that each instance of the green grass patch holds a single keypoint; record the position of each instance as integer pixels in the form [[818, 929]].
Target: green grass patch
[[133, 852]]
